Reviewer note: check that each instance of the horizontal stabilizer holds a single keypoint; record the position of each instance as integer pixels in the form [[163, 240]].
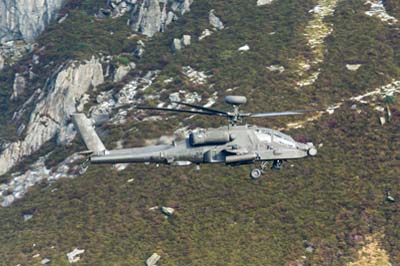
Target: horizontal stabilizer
[[88, 134]]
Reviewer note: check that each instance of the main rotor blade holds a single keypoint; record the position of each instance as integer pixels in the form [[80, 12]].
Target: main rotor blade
[[174, 110], [202, 108], [270, 114]]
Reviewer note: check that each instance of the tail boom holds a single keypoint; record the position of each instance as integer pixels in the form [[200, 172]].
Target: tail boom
[[88, 134]]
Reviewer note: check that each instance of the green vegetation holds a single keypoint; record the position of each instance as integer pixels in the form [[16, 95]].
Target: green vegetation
[[123, 60], [326, 201], [82, 36], [223, 218]]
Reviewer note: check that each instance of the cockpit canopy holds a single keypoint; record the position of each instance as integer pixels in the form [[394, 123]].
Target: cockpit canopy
[[269, 136]]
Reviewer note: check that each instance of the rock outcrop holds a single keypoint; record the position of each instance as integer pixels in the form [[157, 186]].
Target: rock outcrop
[[18, 86], [378, 10], [151, 16], [1, 63], [37, 172], [25, 20], [146, 17], [179, 44], [55, 104], [215, 21], [122, 70]]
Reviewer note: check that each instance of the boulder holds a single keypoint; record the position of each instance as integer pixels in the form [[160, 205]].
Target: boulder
[[44, 261], [382, 120], [214, 21], [389, 197], [179, 44], [276, 68], [35, 59], [353, 67], [244, 48], [171, 17], [167, 211], [186, 40], [73, 256], [27, 217], [139, 49], [310, 249], [153, 259], [205, 34], [176, 45], [264, 2]]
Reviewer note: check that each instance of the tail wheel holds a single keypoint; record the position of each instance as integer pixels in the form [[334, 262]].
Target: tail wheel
[[255, 173]]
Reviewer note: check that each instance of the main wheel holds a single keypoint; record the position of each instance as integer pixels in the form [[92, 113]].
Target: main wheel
[[255, 173]]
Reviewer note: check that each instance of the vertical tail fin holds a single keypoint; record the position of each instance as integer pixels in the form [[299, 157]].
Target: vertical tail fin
[[88, 134]]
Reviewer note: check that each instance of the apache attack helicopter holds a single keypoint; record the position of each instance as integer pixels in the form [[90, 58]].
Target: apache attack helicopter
[[233, 144]]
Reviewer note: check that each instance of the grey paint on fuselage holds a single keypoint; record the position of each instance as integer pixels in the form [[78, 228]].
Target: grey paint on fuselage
[[248, 144]]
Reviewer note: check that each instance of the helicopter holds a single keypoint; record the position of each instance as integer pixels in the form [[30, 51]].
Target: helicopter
[[234, 144]]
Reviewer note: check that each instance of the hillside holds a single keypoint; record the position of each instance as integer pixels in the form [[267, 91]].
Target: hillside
[[339, 208]]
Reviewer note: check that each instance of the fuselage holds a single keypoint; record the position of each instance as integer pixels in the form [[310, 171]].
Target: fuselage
[[229, 145]]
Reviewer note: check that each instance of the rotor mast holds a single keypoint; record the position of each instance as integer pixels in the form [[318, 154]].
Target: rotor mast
[[235, 101]]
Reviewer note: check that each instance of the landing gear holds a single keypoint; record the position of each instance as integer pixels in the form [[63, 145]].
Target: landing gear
[[257, 172], [277, 165]]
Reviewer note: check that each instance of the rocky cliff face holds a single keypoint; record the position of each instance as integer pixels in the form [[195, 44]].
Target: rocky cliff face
[[152, 16], [26, 19], [62, 96]]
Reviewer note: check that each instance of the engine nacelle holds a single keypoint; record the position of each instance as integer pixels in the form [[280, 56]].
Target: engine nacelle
[[204, 137]]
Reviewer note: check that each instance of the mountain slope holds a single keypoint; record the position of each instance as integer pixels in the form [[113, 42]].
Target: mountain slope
[[319, 211]]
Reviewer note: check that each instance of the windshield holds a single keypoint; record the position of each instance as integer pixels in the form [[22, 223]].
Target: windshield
[[269, 135]]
